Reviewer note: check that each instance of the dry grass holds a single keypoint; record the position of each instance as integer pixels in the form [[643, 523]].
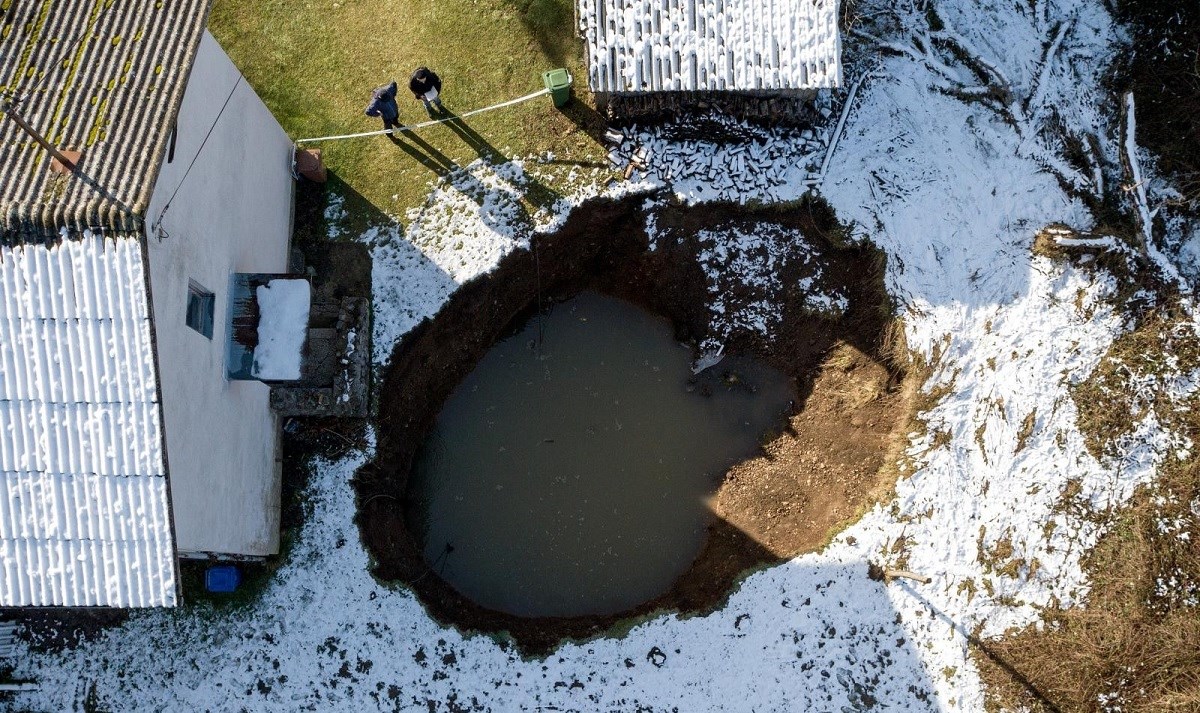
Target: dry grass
[[1114, 398], [1135, 646], [1131, 648], [1044, 245], [923, 401], [894, 347]]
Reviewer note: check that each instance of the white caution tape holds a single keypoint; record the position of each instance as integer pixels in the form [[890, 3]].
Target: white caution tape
[[423, 124]]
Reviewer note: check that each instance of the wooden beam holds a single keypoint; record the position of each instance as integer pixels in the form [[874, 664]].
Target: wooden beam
[[67, 162]]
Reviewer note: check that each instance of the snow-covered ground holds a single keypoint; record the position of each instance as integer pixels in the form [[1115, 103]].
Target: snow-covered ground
[[953, 180]]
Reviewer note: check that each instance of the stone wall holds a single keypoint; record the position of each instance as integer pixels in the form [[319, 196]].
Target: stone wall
[[348, 393], [792, 107]]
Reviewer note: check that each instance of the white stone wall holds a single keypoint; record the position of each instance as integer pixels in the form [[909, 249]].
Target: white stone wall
[[231, 214]]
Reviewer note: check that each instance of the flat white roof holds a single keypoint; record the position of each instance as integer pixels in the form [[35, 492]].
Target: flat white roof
[[711, 45], [84, 516]]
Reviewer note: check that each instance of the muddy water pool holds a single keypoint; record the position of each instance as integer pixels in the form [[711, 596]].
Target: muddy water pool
[[568, 474]]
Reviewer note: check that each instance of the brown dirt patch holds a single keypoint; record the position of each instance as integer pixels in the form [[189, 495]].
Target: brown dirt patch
[[831, 465], [833, 458]]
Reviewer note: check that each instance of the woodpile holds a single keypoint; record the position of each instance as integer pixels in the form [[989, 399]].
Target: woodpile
[[719, 157]]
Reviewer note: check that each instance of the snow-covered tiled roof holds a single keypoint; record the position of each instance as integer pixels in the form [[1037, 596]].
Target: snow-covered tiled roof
[[711, 45], [84, 516]]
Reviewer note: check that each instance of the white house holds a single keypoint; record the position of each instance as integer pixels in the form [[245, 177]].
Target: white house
[[130, 434]]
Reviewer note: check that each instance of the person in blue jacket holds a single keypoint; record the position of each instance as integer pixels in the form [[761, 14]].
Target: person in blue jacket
[[383, 105], [426, 86]]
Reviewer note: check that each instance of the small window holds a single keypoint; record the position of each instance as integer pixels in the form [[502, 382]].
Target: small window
[[200, 308], [171, 143]]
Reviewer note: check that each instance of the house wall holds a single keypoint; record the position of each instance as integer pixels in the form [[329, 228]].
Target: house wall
[[231, 214]]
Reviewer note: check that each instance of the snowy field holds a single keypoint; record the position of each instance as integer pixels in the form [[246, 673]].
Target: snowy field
[[953, 179]]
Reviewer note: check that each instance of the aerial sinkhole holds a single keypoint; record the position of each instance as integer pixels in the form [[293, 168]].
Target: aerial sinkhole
[[569, 473], [548, 467]]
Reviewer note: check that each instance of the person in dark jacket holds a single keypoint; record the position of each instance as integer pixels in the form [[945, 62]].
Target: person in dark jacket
[[427, 86], [383, 105]]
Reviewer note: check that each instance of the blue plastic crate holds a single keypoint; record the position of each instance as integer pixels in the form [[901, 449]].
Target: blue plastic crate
[[222, 579]]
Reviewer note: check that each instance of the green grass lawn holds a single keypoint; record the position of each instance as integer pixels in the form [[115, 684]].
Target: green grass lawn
[[315, 64]]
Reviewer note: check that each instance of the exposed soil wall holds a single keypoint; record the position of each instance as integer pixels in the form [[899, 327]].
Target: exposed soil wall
[[821, 469]]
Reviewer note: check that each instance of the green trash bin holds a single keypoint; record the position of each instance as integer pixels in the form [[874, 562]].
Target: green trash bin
[[558, 81]]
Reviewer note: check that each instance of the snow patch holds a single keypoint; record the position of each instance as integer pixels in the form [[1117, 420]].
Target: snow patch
[[283, 307], [335, 215], [753, 261]]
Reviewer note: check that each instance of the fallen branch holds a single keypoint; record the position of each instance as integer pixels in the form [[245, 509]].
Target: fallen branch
[[971, 76], [971, 53], [841, 124], [1037, 96], [1093, 158], [925, 58], [349, 442], [1105, 242], [1138, 189], [889, 575]]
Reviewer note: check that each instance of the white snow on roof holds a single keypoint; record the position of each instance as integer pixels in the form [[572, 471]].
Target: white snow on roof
[[84, 519], [282, 328], [710, 45]]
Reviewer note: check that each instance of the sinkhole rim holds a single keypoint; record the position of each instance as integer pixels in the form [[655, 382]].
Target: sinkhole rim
[[603, 247]]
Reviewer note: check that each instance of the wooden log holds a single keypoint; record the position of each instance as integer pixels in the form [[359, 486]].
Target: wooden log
[[890, 575]]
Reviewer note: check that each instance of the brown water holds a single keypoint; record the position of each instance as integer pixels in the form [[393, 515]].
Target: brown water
[[568, 475]]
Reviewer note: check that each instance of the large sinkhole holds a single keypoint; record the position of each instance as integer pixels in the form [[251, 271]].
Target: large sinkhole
[[548, 467], [568, 474]]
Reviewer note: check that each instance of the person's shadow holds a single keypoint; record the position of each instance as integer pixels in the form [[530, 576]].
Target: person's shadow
[[424, 152], [537, 193], [478, 144]]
